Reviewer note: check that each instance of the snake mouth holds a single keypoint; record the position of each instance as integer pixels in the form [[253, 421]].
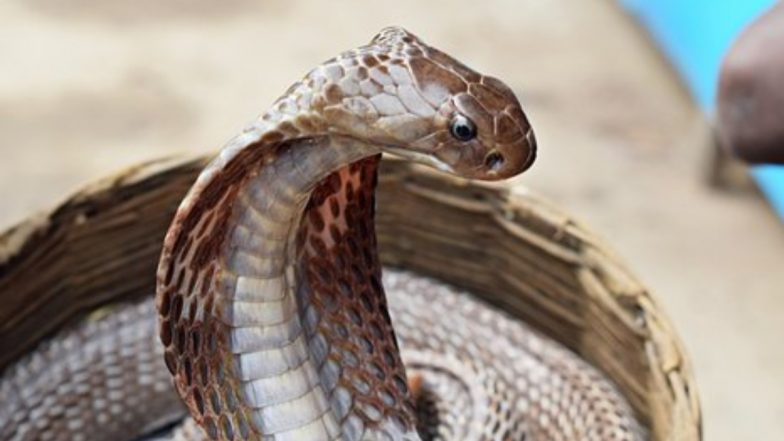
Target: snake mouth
[[420, 158], [501, 162]]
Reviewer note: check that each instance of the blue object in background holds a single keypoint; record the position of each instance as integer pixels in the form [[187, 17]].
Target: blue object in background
[[695, 35]]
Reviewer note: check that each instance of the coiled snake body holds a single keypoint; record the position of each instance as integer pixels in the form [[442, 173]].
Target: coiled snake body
[[271, 306]]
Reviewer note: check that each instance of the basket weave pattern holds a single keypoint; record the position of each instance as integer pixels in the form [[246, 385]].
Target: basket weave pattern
[[514, 251]]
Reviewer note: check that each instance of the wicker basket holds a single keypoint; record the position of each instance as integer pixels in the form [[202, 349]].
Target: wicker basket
[[102, 245]]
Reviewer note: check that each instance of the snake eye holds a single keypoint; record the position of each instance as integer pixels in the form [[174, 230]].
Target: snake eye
[[462, 128]]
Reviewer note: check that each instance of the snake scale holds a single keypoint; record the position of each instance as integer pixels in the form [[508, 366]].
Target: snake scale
[[272, 316]]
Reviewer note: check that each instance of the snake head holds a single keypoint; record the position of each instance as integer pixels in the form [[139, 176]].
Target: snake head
[[420, 103]]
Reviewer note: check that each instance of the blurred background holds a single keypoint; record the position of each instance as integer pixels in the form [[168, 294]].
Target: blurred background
[[88, 87]]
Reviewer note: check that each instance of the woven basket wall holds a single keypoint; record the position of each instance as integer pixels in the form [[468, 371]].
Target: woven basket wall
[[514, 251]]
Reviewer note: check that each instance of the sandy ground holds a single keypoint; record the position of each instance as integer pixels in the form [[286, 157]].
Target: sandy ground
[[87, 87]]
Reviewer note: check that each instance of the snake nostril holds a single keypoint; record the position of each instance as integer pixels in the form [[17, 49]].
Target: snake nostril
[[494, 161]]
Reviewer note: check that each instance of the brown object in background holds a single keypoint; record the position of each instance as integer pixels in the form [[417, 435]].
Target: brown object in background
[[750, 103]]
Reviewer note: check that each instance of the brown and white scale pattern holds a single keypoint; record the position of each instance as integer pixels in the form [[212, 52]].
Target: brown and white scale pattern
[[271, 307], [272, 311], [482, 375]]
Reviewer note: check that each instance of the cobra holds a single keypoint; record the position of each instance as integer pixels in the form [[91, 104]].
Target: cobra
[[270, 297]]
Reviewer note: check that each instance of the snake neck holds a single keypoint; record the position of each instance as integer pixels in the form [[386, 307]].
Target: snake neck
[[270, 301]]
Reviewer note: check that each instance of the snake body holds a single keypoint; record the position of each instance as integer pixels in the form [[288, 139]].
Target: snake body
[[484, 376], [270, 302]]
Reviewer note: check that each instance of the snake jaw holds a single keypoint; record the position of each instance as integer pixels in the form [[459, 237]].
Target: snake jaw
[[421, 157]]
